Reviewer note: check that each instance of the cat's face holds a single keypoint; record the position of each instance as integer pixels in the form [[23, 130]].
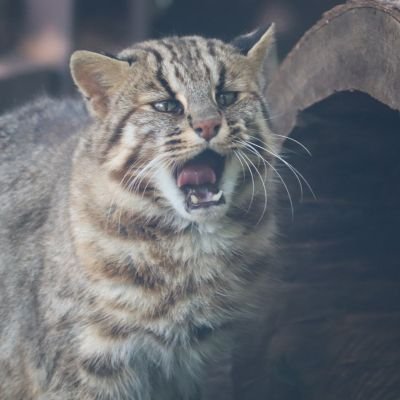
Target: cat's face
[[183, 122]]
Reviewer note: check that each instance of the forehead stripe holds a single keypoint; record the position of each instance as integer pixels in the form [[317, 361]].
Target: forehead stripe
[[211, 48], [222, 77], [164, 83], [156, 54], [170, 48], [159, 75]]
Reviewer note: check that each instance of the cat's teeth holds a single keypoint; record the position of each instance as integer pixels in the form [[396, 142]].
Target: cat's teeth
[[216, 197], [194, 199]]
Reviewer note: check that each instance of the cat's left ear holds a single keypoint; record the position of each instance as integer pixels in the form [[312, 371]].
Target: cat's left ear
[[259, 47]]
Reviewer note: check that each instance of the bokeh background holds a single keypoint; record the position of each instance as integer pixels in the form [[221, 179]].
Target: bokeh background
[[38, 36]]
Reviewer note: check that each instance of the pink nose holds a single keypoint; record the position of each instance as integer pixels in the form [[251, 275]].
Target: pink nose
[[207, 129]]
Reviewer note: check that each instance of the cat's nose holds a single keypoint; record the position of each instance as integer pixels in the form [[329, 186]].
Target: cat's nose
[[207, 129]]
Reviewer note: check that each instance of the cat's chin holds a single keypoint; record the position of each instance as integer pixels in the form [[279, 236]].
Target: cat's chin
[[200, 215], [195, 206]]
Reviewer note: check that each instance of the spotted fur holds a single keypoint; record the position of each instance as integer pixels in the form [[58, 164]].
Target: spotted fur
[[111, 287]]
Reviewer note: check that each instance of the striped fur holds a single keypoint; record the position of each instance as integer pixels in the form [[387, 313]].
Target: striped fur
[[139, 294]]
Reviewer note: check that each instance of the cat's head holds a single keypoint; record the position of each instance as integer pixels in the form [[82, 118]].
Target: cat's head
[[182, 121]]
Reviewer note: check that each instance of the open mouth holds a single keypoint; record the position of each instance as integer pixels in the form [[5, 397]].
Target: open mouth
[[199, 180]]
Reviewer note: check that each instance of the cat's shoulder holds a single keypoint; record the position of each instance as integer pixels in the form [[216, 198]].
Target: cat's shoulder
[[39, 134], [37, 141]]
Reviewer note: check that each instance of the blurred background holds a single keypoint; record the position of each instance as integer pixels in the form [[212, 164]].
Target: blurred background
[[38, 36]]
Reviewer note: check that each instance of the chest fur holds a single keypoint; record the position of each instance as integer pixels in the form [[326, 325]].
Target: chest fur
[[180, 278], [166, 304]]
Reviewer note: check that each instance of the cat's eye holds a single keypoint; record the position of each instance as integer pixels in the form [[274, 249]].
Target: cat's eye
[[168, 106], [225, 99]]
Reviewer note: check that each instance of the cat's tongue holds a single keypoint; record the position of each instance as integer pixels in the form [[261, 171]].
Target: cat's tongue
[[198, 182], [196, 175]]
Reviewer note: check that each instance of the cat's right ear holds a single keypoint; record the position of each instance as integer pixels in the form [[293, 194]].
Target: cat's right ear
[[98, 77], [259, 47]]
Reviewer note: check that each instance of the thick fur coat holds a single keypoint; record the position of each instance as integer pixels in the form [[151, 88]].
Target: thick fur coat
[[136, 237]]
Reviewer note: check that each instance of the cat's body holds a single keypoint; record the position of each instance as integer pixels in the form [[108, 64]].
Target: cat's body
[[123, 269]]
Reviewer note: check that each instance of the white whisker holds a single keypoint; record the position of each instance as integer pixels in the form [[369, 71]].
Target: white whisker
[[238, 153], [265, 189], [121, 183], [138, 179], [279, 177], [295, 141], [299, 177], [241, 163]]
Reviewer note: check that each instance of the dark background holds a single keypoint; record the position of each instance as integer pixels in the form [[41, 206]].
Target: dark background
[[110, 25]]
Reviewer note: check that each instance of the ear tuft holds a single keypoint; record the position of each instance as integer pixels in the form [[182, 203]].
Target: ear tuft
[[245, 42], [265, 42], [98, 77], [260, 49]]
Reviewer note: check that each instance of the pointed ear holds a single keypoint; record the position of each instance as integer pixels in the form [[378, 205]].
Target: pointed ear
[[98, 77], [259, 47]]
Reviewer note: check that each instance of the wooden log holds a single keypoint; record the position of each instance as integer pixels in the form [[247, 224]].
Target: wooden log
[[337, 323], [354, 46]]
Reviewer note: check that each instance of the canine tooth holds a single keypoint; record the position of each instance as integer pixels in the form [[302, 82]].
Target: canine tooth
[[194, 199], [217, 196]]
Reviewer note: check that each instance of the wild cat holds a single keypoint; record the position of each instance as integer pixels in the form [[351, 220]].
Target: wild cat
[[134, 237]]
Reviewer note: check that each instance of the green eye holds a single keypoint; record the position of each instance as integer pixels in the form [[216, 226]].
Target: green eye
[[225, 99], [168, 106]]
